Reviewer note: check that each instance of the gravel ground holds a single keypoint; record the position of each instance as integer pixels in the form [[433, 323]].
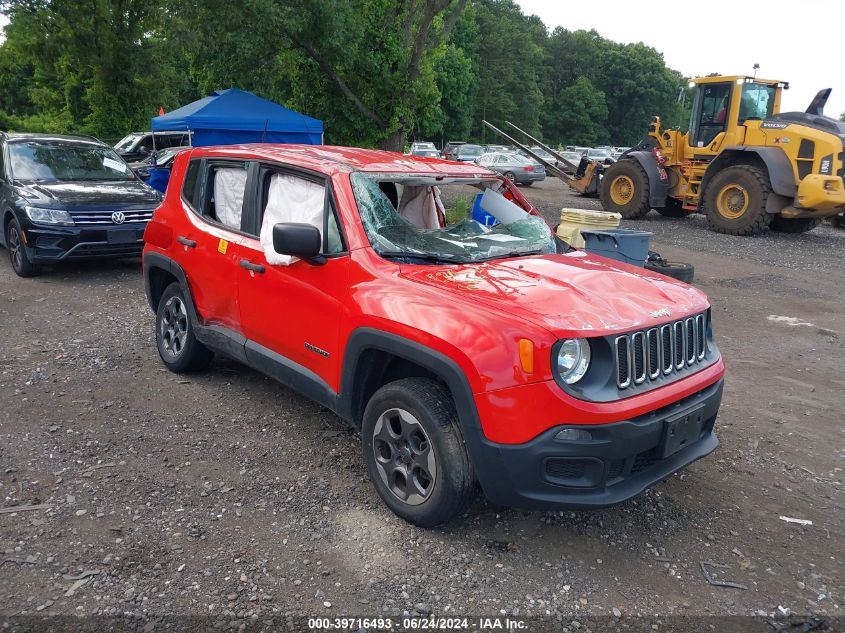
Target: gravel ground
[[227, 497]]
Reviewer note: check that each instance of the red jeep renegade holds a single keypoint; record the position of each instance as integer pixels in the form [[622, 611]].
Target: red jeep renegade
[[428, 303]]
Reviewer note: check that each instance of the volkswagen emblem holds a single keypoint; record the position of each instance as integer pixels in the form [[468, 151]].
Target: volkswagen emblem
[[118, 218]]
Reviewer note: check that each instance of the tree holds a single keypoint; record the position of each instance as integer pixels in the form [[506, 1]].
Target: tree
[[582, 111]]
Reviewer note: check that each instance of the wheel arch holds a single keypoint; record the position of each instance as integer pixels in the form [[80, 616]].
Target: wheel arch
[[773, 160], [657, 189], [8, 216]]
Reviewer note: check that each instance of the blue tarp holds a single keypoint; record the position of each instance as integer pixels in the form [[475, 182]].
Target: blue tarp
[[232, 116]]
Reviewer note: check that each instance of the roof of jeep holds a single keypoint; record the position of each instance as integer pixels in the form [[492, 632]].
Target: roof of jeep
[[330, 159]]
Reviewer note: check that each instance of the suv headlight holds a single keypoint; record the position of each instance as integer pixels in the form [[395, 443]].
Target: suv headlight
[[573, 360], [49, 216]]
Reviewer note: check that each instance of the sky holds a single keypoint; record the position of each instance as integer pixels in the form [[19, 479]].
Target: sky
[[798, 42]]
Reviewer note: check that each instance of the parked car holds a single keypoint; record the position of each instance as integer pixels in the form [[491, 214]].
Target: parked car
[[450, 149], [68, 197], [139, 145], [430, 153], [574, 158], [496, 148], [600, 154], [466, 152], [422, 145], [465, 354], [515, 167], [617, 152], [164, 160]]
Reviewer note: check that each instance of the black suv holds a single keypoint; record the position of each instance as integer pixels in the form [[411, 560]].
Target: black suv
[[68, 197]]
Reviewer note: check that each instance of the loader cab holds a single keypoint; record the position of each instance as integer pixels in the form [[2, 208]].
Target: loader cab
[[721, 107]]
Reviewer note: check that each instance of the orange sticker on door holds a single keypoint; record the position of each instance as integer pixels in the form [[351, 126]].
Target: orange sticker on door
[[222, 245]]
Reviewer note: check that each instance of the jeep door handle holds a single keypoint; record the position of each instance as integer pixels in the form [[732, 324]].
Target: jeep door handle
[[186, 242], [256, 268]]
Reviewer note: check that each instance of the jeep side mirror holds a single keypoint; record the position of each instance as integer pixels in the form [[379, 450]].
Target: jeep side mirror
[[299, 240]]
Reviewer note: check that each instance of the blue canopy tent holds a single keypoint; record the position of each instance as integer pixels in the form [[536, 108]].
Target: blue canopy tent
[[228, 117]]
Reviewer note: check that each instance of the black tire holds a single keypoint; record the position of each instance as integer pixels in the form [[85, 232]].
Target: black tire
[[527, 183], [748, 188], [673, 209], [624, 189], [510, 176], [838, 221], [794, 225], [409, 413], [178, 348], [677, 270], [21, 263]]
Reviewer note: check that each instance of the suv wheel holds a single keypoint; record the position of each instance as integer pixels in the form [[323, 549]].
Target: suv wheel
[[17, 252], [178, 347], [415, 452]]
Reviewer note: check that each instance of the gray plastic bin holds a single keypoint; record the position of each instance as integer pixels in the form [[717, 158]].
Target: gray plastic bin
[[624, 245]]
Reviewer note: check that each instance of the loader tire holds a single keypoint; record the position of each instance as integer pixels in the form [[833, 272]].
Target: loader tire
[[735, 201], [838, 221], [624, 190], [794, 225], [673, 209]]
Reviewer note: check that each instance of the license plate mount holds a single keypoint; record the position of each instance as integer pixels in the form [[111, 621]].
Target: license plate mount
[[681, 430], [121, 237]]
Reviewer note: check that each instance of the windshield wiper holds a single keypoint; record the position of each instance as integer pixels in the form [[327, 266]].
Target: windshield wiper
[[427, 257], [509, 254]]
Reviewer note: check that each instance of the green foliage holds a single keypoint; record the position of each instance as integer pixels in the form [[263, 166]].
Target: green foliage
[[376, 71], [842, 117]]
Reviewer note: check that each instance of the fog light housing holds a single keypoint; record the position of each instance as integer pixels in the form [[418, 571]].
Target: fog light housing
[[573, 435]]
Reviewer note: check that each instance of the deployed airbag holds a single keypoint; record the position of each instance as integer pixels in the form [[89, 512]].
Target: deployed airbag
[[229, 184], [290, 199]]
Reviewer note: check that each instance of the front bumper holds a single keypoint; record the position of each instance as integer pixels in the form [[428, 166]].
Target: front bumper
[[46, 245], [623, 458]]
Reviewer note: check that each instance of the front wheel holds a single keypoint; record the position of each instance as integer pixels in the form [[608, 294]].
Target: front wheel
[[735, 201], [510, 176], [624, 190], [179, 349], [415, 452], [21, 263]]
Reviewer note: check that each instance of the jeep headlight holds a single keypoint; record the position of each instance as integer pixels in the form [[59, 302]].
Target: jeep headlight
[[573, 360], [49, 216]]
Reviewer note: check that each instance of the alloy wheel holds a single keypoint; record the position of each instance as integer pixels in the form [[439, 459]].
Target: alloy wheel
[[404, 456], [15, 248], [174, 327]]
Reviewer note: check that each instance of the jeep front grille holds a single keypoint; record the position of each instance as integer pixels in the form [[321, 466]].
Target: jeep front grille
[[645, 355]]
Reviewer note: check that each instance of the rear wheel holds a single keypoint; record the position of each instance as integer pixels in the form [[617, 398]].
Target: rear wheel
[[794, 225], [674, 209], [735, 201], [415, 452], [179, 349], [21, 264], [624, 190], [510, 176]]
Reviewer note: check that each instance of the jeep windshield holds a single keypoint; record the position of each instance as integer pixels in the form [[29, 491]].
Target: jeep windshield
[[420, 219], [63, 161]]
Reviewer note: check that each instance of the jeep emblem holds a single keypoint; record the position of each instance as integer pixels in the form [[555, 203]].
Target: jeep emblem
[[660, 313]]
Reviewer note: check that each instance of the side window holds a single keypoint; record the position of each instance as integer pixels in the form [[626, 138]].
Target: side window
[[291, 198], [189, 185], [223, 193]]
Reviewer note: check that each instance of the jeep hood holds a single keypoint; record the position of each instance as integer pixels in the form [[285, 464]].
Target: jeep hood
[[569, 293], [87, 194]]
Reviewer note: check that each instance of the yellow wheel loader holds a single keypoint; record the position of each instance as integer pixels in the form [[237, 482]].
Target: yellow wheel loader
[[743, 163]]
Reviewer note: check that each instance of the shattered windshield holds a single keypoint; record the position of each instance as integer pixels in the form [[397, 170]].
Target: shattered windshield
[[414, 220]]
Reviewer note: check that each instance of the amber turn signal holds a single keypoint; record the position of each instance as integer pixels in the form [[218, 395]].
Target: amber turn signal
[[526, 355]]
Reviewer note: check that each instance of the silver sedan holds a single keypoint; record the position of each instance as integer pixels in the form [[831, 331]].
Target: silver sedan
[[513, 166]]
